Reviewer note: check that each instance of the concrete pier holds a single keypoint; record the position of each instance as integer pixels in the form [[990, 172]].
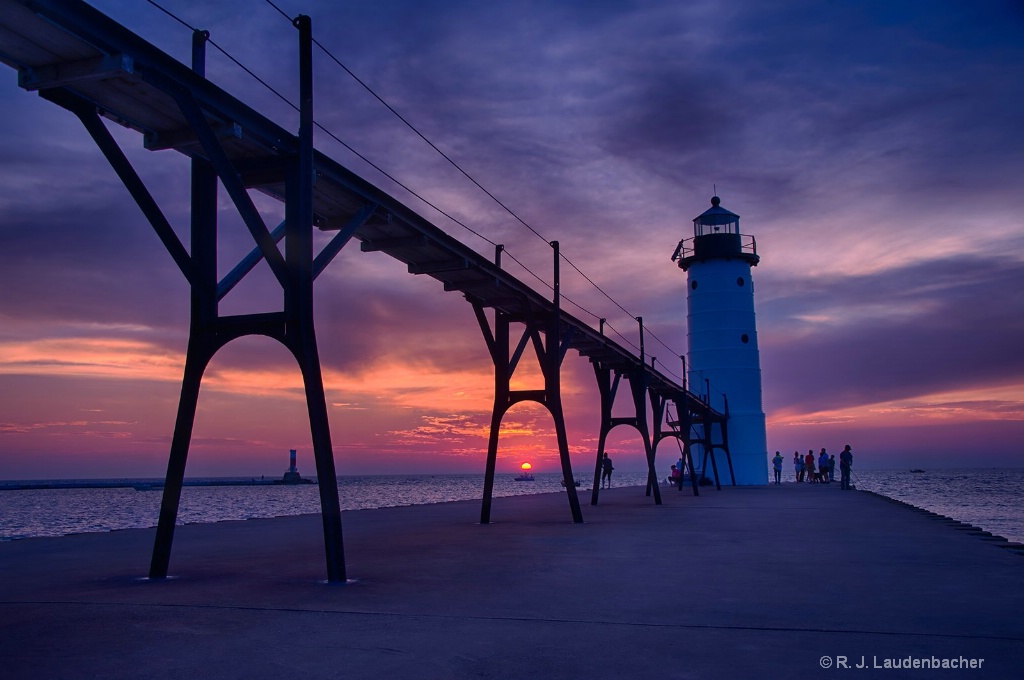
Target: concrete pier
[[757, 582]]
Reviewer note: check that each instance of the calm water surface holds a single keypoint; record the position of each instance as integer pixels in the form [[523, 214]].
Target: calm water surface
[[988, 498], [57, 512]]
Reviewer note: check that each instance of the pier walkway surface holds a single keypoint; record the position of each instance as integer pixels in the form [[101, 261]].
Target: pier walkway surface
[[766, 582]]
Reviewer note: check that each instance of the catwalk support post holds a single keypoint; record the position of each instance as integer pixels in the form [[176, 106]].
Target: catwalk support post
[[300, 330], [638, 383], [557, 346]]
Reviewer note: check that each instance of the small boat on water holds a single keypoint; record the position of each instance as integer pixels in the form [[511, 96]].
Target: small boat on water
[[917, 470], [525, 477]]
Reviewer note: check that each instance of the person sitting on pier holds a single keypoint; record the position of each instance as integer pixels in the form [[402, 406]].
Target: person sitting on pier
[[673, 477]]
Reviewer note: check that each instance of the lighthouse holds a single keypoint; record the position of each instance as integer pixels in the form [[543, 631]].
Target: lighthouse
[[722, 334]]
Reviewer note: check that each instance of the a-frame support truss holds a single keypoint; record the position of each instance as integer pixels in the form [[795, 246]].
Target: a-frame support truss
[[608, 380], [706, 420], [295, 271], [550, 341]]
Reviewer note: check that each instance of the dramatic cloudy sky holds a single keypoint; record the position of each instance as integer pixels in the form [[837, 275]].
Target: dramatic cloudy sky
[[873, 148]]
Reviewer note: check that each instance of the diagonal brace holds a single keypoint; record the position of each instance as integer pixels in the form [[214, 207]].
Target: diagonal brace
[[325, 256], [518, 354], [232, 182], [485, 328], [131, 180], [235, 276]]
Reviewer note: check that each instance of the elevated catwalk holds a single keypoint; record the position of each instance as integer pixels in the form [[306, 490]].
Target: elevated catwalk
[[95, 68]]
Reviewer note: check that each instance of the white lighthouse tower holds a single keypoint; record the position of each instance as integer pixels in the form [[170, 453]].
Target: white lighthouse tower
[[722, 334]]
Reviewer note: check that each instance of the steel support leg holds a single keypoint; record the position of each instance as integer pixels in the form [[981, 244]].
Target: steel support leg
[[492, 459], [497, 346], [686, 435], [196, 360], [709, 450], [657, 404], [714, 467], [638, 386], [323, 452], [607, 388], [693, 472], [563, 454], [601, 441], [725, 445]]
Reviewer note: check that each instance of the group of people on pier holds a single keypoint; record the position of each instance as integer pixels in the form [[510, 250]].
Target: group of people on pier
[[818, 469]]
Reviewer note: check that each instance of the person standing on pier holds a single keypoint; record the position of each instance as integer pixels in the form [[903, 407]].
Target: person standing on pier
[[845, 463], [832, 467], [823, 466], [777, 464], [798, 466], [809, 465], [606, 471]]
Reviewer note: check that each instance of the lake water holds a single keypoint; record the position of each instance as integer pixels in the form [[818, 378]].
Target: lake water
[[57, 512], [989, 498]]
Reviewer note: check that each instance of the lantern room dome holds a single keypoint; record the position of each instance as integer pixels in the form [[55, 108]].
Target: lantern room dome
[[716, 235], [716, 219]]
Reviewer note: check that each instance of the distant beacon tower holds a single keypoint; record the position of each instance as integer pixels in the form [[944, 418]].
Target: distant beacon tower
[[291, 475], [722, 334]]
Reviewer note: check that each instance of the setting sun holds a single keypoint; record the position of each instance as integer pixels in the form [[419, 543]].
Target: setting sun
[[527, 466]]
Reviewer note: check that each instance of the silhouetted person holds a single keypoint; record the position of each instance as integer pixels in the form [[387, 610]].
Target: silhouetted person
[[845, 463], [832, 467], [823, 466], [809, 466], [777, 464], [798, 466], [606, 471]]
